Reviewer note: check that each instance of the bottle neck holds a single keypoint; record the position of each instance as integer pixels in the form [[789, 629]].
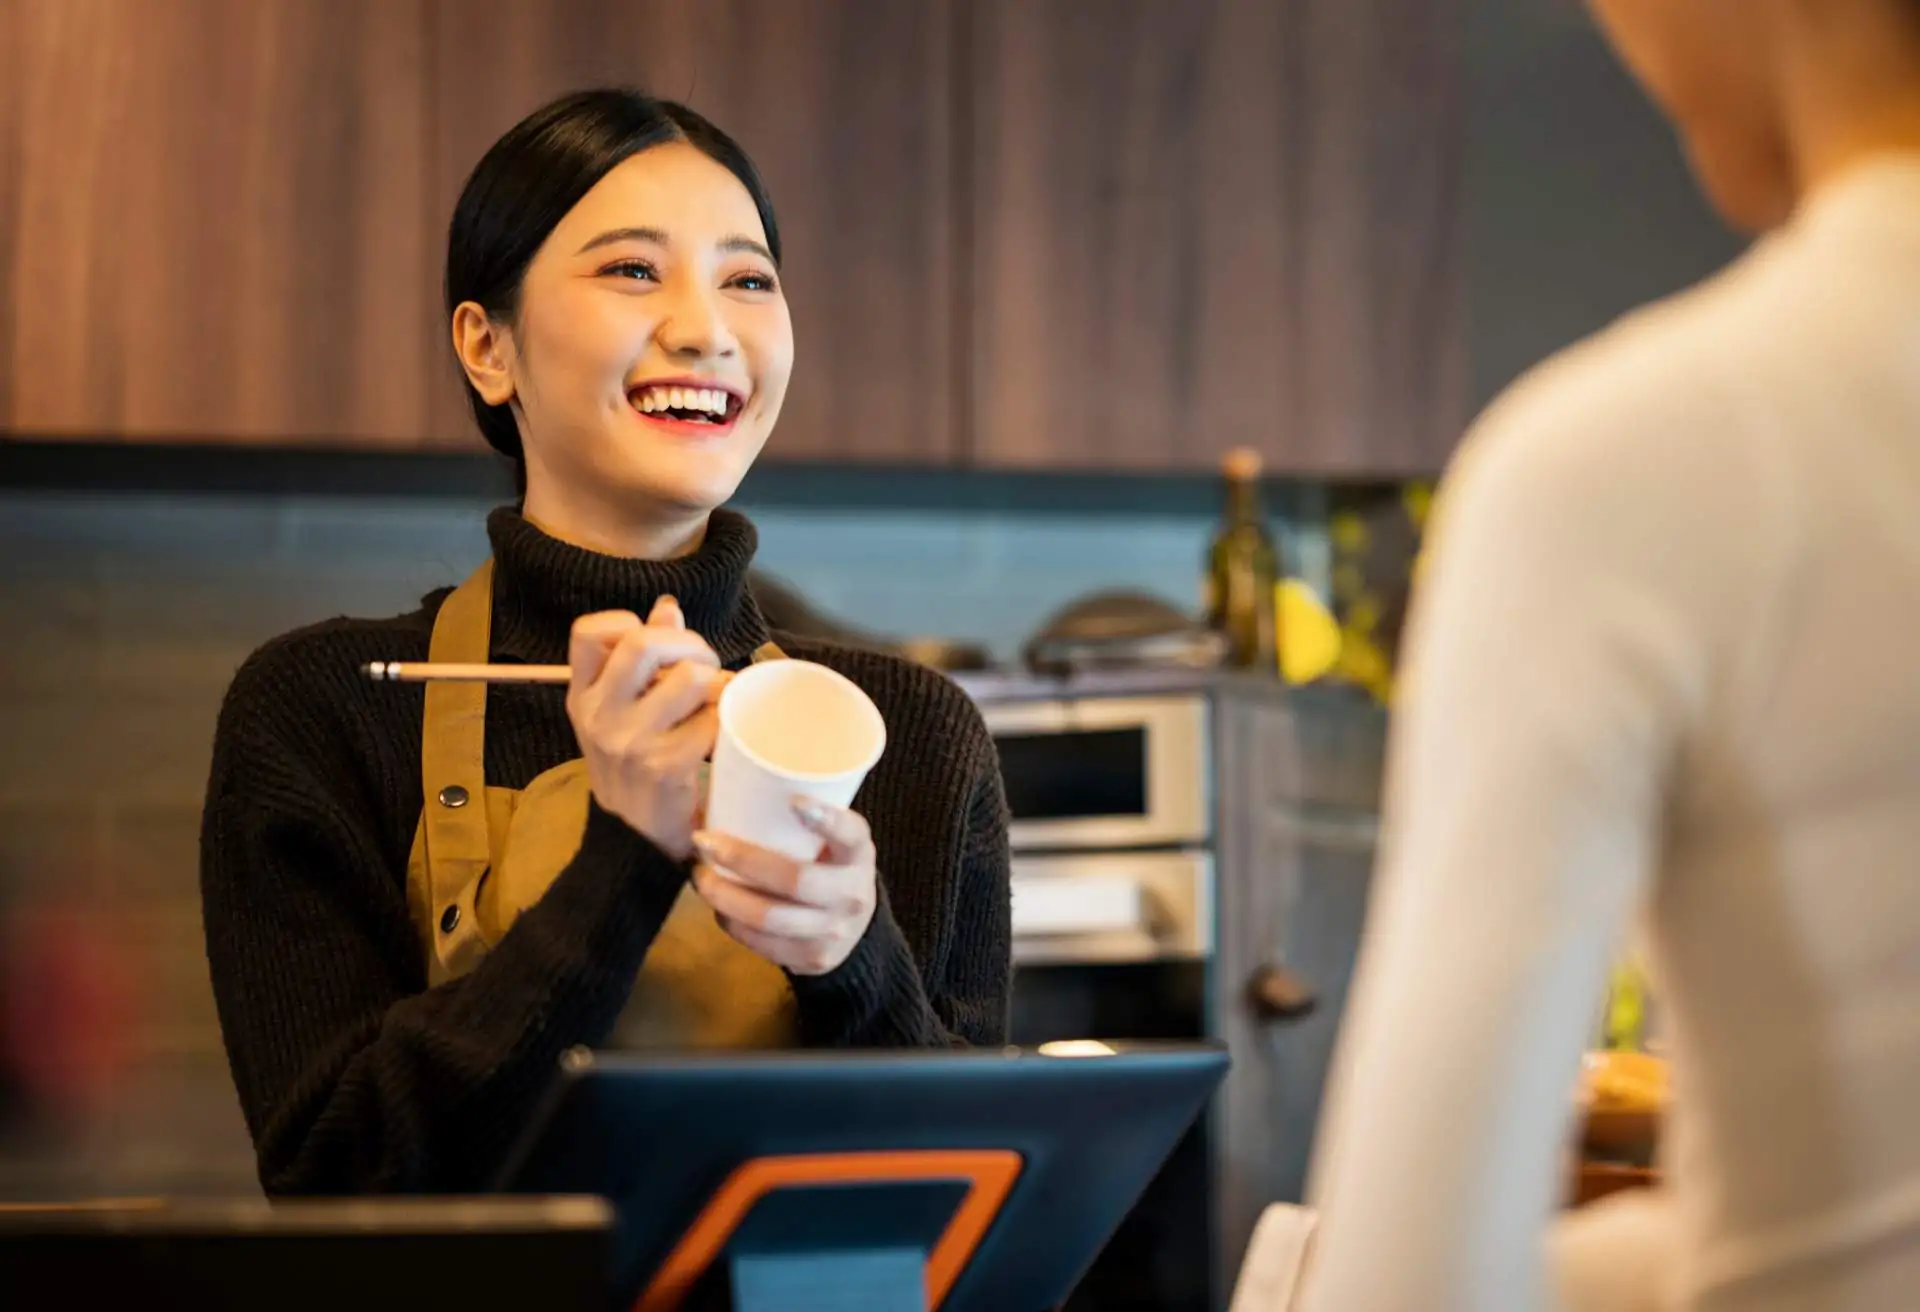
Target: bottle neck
[[1243, 503]]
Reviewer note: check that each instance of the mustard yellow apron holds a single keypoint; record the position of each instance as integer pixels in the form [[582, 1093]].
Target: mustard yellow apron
[[483, 855]]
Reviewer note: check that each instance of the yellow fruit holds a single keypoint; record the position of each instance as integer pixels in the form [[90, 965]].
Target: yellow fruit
[[1309, 635], [1417, 499]]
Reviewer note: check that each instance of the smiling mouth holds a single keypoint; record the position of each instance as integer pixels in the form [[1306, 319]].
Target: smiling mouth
[[714, 406]]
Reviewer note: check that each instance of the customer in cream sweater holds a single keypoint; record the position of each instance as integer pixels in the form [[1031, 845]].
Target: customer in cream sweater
[[1665, 663]]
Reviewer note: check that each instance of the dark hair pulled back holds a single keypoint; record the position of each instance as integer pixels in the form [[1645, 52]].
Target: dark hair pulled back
[[529, 180]]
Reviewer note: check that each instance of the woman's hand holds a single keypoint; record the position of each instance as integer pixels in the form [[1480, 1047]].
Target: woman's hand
[[805, 917], [642, 705]]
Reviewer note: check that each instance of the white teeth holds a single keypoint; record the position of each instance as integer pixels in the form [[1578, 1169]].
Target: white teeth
[[710, 399]]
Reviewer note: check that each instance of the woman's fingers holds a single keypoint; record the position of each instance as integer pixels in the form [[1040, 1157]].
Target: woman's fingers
[[757, 910], [616, 657], [750, 864], [806, 917], [846, 835], [800, 956], [690, 742], [639, 657], [593, 639], [819, 885], [677, 694], [641, 702]]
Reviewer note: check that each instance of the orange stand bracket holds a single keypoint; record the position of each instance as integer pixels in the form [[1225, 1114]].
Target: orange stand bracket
[[836, 1249]]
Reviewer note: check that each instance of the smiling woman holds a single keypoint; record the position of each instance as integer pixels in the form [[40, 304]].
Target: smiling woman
[[415, 904]]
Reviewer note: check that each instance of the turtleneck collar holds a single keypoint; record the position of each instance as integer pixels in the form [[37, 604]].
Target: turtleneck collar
[[542, 585]]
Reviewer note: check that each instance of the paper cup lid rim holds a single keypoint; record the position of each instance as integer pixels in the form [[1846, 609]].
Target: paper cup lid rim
[[809, 776]]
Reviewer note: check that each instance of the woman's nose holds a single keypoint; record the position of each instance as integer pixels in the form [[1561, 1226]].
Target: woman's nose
[[694, 326]]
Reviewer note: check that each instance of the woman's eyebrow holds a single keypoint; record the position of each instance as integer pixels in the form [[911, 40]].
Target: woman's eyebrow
[[739, 242], [613, 235]]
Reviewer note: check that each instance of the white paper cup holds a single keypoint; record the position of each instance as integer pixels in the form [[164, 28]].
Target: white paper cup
[[789, 729]]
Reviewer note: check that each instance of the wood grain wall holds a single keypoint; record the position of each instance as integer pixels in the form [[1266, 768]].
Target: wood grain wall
[[1077, 234], [214, 219], [1209, 223]]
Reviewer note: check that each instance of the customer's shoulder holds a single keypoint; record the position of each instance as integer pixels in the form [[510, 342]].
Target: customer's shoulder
[[1704, 359], [1661, 363], [1664, 397]]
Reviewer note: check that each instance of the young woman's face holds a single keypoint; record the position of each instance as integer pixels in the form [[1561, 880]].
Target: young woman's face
[[653, 345]]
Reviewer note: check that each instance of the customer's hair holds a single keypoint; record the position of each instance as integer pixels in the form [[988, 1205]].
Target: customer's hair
[[529, 180]]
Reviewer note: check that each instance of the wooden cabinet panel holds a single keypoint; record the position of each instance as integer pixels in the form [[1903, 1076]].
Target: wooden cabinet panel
[[12, 71], [214, 220], [845, 106], [1311, 907], [1203, 223], [1299, 781], [1185, 224]]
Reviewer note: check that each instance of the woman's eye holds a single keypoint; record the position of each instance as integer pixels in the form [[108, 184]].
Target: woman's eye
[[753, 282], [632, 269]]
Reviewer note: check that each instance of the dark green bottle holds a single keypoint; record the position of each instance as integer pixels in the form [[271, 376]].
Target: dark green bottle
[[1243, 568]]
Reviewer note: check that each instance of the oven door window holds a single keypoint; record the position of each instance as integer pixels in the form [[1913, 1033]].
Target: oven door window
[[1076, 775]]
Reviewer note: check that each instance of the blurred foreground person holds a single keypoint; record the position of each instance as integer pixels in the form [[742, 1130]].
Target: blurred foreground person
[[1663, 659]]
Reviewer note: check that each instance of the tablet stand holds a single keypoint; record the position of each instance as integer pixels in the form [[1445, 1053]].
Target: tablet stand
[[855, 1245]]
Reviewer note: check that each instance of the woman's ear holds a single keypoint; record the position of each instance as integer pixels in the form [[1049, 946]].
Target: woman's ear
[[485, 350]]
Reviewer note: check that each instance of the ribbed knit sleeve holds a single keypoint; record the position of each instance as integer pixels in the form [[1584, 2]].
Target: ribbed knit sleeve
[[353, 1075], [882, 997], [934, 968]]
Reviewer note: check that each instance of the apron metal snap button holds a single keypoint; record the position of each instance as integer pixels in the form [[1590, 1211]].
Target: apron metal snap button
[[449, 919], [453, 795]]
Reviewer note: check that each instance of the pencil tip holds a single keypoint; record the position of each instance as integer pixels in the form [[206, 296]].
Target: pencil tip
[[374, 669]]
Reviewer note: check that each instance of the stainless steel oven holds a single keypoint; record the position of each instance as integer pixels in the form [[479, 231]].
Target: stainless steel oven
[[1114, 929], [1091, 907]]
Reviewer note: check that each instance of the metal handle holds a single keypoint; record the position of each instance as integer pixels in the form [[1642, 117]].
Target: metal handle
[[1277, 994]]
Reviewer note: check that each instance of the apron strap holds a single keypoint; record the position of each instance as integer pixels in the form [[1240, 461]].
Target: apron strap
[[453, 753], [454, 832]]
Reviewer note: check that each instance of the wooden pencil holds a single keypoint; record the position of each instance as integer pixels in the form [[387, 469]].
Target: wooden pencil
[[427, 671]]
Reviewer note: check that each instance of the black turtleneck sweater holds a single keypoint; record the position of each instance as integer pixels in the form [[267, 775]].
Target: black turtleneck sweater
[[357, 1077]]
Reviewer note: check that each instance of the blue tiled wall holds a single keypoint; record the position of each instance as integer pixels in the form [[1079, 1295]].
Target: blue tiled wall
[[248, 567]]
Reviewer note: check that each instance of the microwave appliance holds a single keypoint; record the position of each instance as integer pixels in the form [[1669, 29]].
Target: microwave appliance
[[1105, 773]]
